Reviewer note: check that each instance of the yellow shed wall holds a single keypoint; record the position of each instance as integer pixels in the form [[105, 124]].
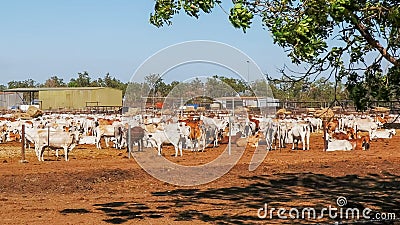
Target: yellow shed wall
[[80, 98]]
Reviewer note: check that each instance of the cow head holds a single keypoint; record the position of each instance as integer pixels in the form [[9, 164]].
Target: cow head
[[351, 133], [76, 136], [392, 132]]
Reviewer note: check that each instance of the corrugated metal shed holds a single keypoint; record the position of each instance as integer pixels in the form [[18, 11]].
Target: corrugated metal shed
[[75, 98], [8, 100]]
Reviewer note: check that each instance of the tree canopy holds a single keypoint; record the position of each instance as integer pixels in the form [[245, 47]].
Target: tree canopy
[[357, 42], [83, 80]]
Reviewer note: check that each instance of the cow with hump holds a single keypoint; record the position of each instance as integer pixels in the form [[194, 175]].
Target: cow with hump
[[56, 140]]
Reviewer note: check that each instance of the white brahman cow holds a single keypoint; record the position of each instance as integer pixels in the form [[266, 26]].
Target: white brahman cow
[[57, 140], [339, 145], [173, 133], [383, 134], [301, 131]]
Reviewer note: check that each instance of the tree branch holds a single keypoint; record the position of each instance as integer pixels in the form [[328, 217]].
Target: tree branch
[[374, 43]]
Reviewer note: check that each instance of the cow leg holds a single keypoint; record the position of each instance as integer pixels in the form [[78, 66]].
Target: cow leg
[[296, 143], [115, 142], [193, 145], [107, 139], [266, 140], [37, 152], [204, 145], [272, 142], [198, 145], [283, 140], [123, 143], [140, 145], [27, 145], [118, 144], [40, 156], [146, 143], [215, 138], [184, 144], [98, 143], [66, 153], [176, 150], [120, 141], [159, 149], [293, 143]]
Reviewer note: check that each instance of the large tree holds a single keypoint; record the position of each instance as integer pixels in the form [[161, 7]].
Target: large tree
[[351, 40], [28, 83], [54, 81], [111, 82], [83, 80]]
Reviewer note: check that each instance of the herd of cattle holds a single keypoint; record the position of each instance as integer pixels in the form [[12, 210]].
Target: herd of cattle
[[64, 131]]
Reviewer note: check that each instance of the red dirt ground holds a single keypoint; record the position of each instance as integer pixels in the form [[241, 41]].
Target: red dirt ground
[[105, 187]]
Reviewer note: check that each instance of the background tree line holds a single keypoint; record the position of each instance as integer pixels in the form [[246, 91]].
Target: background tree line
[[215, 86], [219, 86], [83, 80]]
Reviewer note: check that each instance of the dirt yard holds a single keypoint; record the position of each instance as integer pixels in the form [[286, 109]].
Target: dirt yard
[[105, 187]]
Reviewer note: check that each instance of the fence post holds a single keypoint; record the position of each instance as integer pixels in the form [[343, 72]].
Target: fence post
[[48, 135], [230, 127], [356, 132], [129, 141], [23, 160], [324, 129]]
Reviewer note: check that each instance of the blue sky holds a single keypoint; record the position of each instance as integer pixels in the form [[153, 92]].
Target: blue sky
[[43, 38]]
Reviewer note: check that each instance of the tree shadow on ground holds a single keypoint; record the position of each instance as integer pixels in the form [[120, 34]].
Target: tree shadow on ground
[[121, 212], [239, 205]]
